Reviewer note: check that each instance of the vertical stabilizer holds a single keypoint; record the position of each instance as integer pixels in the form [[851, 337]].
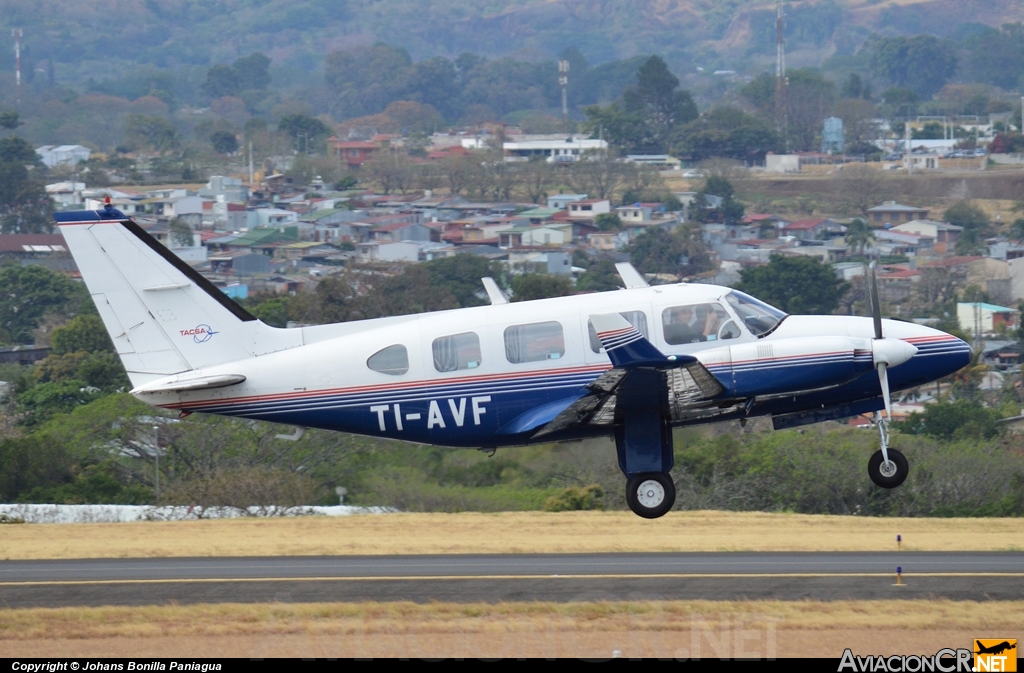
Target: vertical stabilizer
[[163, 317]]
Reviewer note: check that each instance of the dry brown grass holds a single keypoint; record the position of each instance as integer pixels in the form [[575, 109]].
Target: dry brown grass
[[663, 628], [505, 532]]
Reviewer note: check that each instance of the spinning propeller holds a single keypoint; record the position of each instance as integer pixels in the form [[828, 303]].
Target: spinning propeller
[[886, 351]]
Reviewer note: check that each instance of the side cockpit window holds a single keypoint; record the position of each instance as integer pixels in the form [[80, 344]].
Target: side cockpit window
[[393, 360]]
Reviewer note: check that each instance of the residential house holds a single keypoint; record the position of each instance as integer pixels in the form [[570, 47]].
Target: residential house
[[983, 318], [389, 251], [223, 188], [533, 259], [589, 208], [891, 242], [896, 282], [66, 194], [562, 201], [240, 263], [402, 231], [540, 215], [894, 213], [31, 246], [943, 234], [818, 229], [355, 153], [608, 241], [711, 202], [63, 155]]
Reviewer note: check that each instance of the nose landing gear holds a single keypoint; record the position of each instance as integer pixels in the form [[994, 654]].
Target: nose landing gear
[[887, 467]]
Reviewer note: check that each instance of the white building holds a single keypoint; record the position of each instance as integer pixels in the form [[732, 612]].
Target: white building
[[63, 155], [554, 151], [66, 193], [984, 318]]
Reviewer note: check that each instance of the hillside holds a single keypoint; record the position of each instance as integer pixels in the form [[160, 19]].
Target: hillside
[[92, 37]]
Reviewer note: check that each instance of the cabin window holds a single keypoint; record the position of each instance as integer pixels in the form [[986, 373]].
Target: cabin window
[[455, 352], [534, 342], [637, 319], [697, 322], [393, 360]]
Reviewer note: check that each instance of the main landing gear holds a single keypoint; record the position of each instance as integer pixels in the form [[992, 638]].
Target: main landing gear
[[650, 494], [643, 441], [888, 468]]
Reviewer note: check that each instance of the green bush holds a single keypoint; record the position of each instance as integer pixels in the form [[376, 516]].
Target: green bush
[[576, 498]]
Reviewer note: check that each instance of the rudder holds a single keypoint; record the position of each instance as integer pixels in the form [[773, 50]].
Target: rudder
[[163, 316]]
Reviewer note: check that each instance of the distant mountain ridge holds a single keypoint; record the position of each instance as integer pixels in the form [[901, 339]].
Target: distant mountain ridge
[[170, 33]]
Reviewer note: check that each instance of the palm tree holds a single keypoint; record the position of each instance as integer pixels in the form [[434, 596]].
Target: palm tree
[[859, 235]]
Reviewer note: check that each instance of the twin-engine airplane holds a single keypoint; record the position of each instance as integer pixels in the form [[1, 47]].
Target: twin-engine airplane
[[632, 364]]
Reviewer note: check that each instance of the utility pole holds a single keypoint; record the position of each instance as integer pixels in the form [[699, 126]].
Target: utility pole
[[780, 73], [156, 455], [251, 174], [16, 34], [906, 147], [563, 81]]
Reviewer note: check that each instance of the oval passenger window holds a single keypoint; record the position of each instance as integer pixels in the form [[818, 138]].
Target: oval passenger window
[[393, 360]]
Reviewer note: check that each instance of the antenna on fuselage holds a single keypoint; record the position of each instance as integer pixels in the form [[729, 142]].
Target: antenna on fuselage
[[494, 292], [630, 276]]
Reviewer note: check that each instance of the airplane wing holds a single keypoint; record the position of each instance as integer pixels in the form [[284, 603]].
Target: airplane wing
[[686, 384]]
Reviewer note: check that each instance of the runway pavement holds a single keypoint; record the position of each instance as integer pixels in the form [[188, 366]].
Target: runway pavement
[[516, 577]]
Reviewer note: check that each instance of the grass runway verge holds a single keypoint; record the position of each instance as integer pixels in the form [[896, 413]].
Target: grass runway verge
[[676, 629], [505, 533]]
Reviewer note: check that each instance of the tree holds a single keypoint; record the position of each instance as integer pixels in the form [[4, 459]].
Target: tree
[[17, 150], [680, 253], [922, 63], [246, 74], [608, 222], [809, 99], [660, 108], [859, 235], [860, 187], [224, 142], [25, 207], [962, 419], [537, 175], [855, 87], [29, 293], [728, 132], [304, 130], [648, 116], [10, 120], [252, 72], [600, 276], [83, 334], [150, 132], [975, 226], [598, 175], [181, 233], [390, 169], [800, 285], [540, 286]]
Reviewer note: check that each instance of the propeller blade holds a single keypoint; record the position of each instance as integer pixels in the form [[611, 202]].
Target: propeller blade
[[883, 379], [876, 306]]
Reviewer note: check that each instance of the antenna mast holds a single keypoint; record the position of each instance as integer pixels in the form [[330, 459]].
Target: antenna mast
[[16, 34], [780, 72], [563, 81]]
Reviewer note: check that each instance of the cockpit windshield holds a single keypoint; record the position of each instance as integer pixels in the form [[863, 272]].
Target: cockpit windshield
[[759, 317]]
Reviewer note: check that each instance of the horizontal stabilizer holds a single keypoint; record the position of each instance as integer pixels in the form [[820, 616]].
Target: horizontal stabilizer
[[627, 347], [175, 385]]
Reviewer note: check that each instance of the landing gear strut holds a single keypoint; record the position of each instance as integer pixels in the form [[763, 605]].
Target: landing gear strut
[[643, 440], [888, 468]]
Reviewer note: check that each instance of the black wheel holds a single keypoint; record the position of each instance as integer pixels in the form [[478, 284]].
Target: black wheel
[[888, 475], [650, 494]]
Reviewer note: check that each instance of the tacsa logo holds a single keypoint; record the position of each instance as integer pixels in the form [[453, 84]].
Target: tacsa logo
[[199, 333], [992, 654]]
